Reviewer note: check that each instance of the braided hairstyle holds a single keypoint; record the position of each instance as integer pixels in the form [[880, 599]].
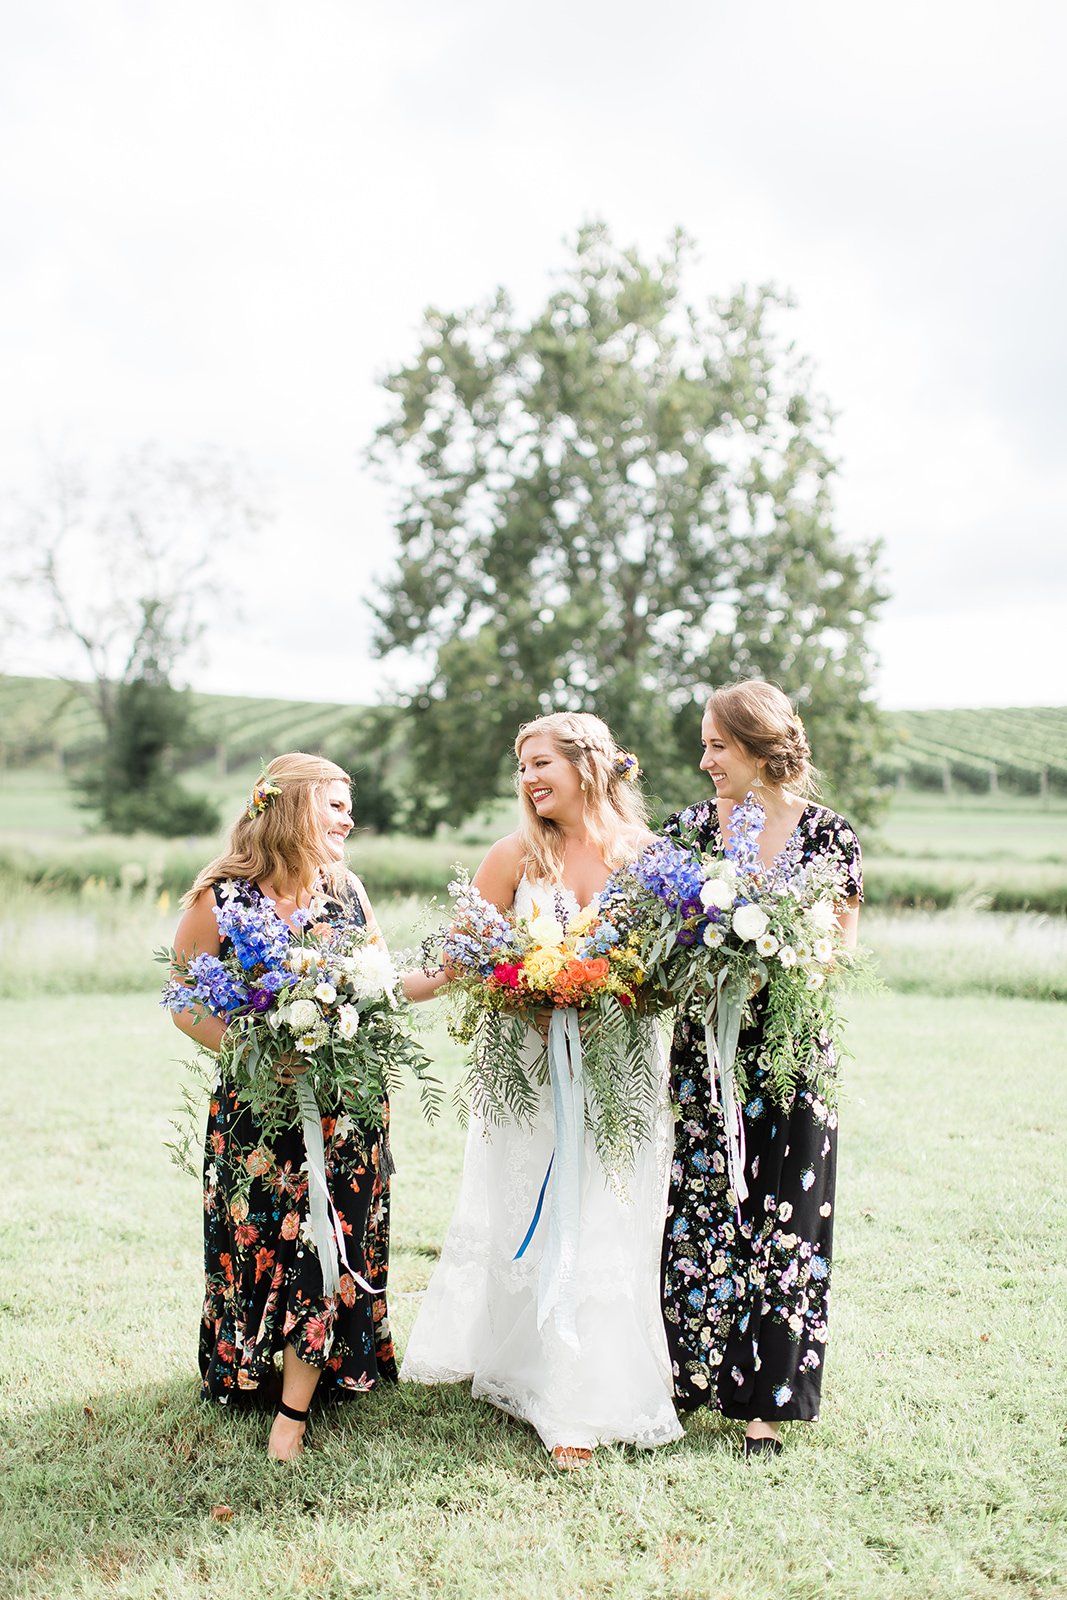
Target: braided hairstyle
[[761, 719], [615, 813]]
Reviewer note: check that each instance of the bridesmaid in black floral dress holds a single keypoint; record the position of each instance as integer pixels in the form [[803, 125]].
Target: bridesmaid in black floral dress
[[264, 1290], [746, 1290]]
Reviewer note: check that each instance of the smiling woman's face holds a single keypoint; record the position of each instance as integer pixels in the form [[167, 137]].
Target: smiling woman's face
[[335, 817], [549, 780], [730, 767]]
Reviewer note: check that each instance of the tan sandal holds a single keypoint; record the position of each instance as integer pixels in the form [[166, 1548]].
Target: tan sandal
[[571, 1458]]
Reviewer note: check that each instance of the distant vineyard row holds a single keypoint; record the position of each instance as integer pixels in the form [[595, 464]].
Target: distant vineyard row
[[41, 719], [1025, 750]]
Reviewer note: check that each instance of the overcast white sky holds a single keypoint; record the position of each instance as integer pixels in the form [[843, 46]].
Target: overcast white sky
[[220, 221]]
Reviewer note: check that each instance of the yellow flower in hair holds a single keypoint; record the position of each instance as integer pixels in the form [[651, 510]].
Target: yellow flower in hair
[[264, 793]]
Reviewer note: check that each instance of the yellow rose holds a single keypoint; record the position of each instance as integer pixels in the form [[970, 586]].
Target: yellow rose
[[583, 921]]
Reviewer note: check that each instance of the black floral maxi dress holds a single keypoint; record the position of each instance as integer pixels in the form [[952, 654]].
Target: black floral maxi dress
[[745, 1302], [263, 1279]]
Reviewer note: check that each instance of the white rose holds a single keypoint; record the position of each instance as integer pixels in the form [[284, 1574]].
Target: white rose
[[749, 922], [787, 956], [713, 936], [326, 993], [717, 892], [302, 1015], [546, 931], [767, 944], [347, 1021], [821, 916]]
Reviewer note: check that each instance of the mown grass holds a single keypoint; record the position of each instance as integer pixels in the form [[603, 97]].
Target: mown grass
[[938, 1469]]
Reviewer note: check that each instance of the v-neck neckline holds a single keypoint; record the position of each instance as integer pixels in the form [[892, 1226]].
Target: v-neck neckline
[[779, 855]]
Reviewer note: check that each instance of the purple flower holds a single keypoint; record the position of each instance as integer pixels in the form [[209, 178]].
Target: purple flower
[[686, 936], [261, 999], [691, 908]]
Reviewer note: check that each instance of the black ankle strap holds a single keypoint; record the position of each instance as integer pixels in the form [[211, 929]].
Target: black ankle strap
[[291, 1412]]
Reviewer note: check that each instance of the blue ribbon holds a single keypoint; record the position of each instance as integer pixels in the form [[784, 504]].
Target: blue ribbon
[[532, 1229]]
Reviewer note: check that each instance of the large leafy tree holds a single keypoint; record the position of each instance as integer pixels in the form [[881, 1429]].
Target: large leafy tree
[[614, 506]]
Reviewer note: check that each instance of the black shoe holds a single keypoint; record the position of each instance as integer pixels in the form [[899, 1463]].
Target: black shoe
[[762, 1447]]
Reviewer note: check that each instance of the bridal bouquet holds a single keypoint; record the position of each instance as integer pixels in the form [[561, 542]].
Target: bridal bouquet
[[579, 977], [315, 1011], [719, 929]]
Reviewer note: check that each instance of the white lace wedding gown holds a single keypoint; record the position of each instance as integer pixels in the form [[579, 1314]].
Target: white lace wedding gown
[[478, 1319]]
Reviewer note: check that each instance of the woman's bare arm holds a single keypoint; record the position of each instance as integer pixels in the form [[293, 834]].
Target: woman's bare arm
[[198, 934]]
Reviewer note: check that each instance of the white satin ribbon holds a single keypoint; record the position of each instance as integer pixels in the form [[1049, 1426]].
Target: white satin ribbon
[[326, 1229], [557, 1278]]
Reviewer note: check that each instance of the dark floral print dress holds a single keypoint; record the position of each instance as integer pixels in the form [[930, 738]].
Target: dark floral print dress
[[745, 1301], [263, 1279]]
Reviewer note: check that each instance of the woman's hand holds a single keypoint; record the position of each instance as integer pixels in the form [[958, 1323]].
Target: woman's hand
[[288, 1068]]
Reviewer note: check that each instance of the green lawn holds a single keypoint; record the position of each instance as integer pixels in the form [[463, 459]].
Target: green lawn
[[980, 828], [938, 1469]]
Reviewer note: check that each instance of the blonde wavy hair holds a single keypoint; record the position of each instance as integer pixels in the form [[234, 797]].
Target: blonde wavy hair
[[614, 806], [761, 719], [286, 838]]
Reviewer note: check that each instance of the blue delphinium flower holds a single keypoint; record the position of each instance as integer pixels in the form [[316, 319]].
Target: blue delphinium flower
[[747, 822], [258, 935], [210, 988], [672, 874]]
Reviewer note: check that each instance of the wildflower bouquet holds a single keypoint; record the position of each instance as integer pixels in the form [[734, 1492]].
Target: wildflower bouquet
[[719, 929], [314, 1009], [515, 981]]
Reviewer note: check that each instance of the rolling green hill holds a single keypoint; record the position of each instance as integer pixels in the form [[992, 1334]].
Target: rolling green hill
[[1024, 750]]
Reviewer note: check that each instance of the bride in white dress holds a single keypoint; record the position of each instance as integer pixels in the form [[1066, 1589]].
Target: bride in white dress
[[597, 1370]]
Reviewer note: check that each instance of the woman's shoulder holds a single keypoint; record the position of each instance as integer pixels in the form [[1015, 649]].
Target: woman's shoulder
[[697, 818], [819, 819], [507, 852], [501, 870], [827, 833]]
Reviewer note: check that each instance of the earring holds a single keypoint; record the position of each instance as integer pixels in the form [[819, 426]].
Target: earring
[[583, 785], [757, 782]]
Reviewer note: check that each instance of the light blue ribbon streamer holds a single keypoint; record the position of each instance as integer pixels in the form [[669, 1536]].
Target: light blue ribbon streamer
[[557, 1277], [318, 1193], [326, 1230], [725, 1012]]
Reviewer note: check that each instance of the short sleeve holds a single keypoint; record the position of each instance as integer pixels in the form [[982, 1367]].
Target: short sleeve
[[846, 847]]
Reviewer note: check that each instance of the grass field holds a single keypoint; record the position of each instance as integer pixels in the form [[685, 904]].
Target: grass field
[[938, 1470]]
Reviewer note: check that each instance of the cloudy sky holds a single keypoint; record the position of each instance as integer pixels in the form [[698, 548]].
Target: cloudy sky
[[220, 222]]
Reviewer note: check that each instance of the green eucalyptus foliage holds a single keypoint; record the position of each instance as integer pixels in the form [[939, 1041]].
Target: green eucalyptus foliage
[[616, 505]]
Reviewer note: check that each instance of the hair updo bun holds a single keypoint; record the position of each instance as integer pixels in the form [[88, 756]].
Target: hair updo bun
[[760, 718]]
